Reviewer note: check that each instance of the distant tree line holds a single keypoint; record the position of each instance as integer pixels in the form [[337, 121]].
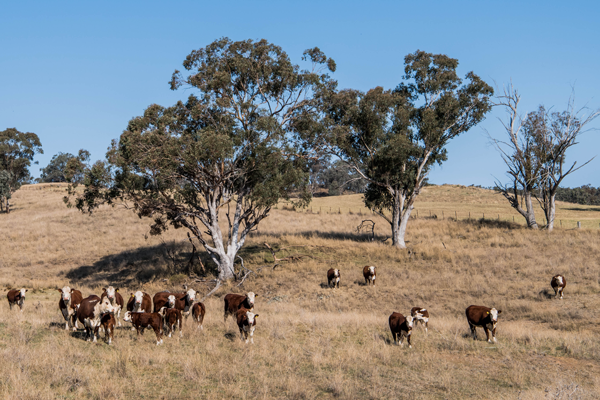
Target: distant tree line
[[585, 194]]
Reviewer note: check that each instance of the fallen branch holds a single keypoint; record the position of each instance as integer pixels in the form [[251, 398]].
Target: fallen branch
[[363, 225], [218, 285]]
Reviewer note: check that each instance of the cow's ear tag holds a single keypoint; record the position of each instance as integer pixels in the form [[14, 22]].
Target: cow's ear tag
[[488, 312], [132, 295]]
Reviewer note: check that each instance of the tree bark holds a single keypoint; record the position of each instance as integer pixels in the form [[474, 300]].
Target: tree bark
[[529, 213]]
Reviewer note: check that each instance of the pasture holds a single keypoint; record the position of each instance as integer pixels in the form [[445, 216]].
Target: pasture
[[311, 342]]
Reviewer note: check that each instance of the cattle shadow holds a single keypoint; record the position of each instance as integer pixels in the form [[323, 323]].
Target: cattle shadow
[[231, 336], [60, 325], [546, 294], [80, 335], [361, 283]]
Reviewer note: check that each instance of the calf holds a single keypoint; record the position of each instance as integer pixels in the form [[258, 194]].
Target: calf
[[233, 302], [333, 278], [16, 296], [107, 321], [173, 319], [144, 320], [369, 274], [401, 327], [558, 283], [485, 317], [69, 300], [420, 315], [115, 299], [198, 311], [246, 321], [182, 301], [90, 313]]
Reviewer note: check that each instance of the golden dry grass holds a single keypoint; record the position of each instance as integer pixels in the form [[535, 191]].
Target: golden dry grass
[[311, 341]]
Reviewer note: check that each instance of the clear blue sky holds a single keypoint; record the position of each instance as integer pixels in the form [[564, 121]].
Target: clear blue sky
[[76, 72]]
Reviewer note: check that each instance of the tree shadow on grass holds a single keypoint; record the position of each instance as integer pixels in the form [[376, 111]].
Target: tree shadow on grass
[[491, 223], [595, 209]]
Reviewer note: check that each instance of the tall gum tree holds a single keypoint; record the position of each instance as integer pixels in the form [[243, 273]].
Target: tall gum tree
[[392, 138], [228, 151]]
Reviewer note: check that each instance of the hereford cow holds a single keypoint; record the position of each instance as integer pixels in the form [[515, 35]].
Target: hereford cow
[[485, 317], [401, 327], [16, 296], [246, 321], [90, 313], [233, 302], [107, 321], [116, 300], [144, 320], [369, 274], [420, 315], [333, 278], [139, 302], [173, 319], [183, 301], [198, 311], [69, 300], [558, 283]]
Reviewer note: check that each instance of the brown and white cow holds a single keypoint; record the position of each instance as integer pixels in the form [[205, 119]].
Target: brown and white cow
[[420, 315], [16, 297], [333, 278], [90, 312], [401, 327], [233, 302], [116, 300], [173, 319], [485, 317], [69, 300], [144, 320], [183, 301], [246, 321], [139, 302], [107, 321], [558, 283], [369, 274], [198, 312]]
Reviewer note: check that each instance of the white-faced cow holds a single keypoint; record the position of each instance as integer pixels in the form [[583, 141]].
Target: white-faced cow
[[69, 300], [172, 320], [90, 313], [401, 327], [198, 311], [144, 320], [246, 321], [183, 301], [485, 317], [16, 297], [420, 315], [115, 299], [233, 302], [333, 278], [139, 302], [369, 274], [558, 283]]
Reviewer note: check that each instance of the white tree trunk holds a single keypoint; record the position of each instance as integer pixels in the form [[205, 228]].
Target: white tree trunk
[[550, 213], [530, 212]]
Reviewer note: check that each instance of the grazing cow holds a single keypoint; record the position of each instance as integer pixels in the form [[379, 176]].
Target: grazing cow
[[333, 278], [246, 321], [144, 320], [183, 301], [107, 321], [420, 315], [369, 274], [115, 298], [69, 300], [90, 313], [485, 317], [198, 311], [401, 327], [558, 283], [233, 302], [16, 296], [173, 319]]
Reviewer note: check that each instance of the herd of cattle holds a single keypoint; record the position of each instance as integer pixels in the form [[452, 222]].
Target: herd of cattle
[[95, 312]]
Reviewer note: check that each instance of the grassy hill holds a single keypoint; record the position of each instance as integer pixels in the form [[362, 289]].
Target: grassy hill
[[311, 341]]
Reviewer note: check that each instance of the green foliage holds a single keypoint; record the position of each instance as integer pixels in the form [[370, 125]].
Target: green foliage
[[65, 167], [585, 194]]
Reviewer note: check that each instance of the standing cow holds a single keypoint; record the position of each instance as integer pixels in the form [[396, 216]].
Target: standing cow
[[107, 321], [333, 278], [485, 317], [144, 320], [69, 300], [183, 301], [233, 302], [420, 315], [115, 299], [558, 283], [369, 274], [198, 312], [172, 320], [16, 296], [90, 313], [246, 321], [401, 327]]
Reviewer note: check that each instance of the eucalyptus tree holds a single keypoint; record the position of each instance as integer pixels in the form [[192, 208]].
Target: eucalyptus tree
[[17, 150], [65, 167], [223, 157], [392, 138]]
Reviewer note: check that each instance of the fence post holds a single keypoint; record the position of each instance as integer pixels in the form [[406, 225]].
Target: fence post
[[455, 215], [578, 224], [442, 215]]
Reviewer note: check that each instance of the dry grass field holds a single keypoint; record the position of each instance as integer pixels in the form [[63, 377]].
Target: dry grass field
[[311, 342]]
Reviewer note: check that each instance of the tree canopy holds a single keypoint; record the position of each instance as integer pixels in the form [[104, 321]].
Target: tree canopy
[[59, 170]]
